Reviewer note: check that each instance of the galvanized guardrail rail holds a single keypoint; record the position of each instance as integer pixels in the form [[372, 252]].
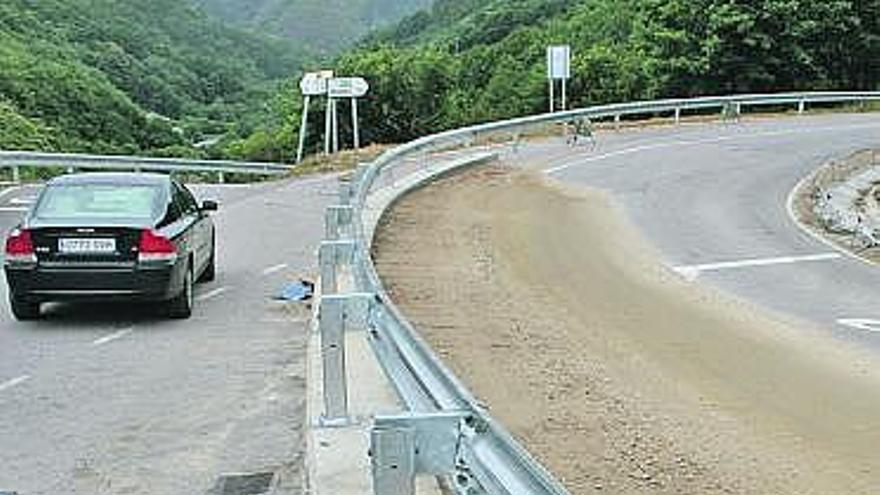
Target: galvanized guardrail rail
[[18, 159], [447, 432]]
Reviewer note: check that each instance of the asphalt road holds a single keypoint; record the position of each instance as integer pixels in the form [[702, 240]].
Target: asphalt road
[[118, 399], [713, 200]]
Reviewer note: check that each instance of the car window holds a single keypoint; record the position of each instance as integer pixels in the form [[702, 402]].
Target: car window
[[72, 201], [187, 201]]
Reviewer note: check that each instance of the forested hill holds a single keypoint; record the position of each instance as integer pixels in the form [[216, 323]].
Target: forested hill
[[467, 61], [126, 76], [323, 25]]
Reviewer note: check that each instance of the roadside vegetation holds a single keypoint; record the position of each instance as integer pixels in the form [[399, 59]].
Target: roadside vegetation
[[109, 76]]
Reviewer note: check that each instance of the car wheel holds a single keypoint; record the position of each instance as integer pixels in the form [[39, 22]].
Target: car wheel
[[181, 306], [211, 270], [23, 309]]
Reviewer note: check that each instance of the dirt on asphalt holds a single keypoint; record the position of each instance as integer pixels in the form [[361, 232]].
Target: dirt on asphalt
[[615, 373]]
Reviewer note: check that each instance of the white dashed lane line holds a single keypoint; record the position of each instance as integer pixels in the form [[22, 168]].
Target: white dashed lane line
[[13, 209], [693, 271], [210, 294], [274, 269], [113, 336], [8, 384]]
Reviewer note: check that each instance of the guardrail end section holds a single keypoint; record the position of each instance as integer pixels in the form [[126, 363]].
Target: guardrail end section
[[402, 447]]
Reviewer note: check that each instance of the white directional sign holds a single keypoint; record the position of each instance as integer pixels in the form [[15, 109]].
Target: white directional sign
[[315, 83], [347, 87], [559, 62]]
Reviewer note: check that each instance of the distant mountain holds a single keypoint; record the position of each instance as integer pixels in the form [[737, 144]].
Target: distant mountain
[[322, 25], [114, 76]]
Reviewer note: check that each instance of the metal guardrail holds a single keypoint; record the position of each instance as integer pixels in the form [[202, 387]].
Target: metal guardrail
[[447, 431], [18, 159]]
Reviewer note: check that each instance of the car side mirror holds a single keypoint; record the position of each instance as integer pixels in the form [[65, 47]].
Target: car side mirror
[[209, 205]]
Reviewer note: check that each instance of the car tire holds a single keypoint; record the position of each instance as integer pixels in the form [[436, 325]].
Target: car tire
[[23, 309], [180, 308], [211, 270]]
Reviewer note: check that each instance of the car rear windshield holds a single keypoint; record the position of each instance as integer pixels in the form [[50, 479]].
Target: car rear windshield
[[82, 201]]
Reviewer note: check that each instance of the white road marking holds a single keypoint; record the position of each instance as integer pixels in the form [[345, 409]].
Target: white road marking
[[214, 293], [113, 336], [22, 201], [16, 209], [718, 139], [14, 382], [691, 272], [274, 269], [865, 324], [9, 190]]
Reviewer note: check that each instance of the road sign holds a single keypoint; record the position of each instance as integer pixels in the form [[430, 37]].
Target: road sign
[[347, 87], [315, 83], [559, 62]]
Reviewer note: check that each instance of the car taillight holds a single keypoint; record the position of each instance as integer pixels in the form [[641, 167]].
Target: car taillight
[[20, 247], [155, 247]]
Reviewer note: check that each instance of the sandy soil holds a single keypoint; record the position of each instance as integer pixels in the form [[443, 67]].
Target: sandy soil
[[616, 374]]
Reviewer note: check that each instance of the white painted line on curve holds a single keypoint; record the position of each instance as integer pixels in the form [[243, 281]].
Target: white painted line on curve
[[15, 209], [113, 336], [692, 271], [275, 269], [8, 384], [214, 293], [866, 324], [9, 190], [691, 142], [22, 201]]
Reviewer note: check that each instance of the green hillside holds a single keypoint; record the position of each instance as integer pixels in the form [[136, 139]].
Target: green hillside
[[323, 25], [112, 76], [467, 61]]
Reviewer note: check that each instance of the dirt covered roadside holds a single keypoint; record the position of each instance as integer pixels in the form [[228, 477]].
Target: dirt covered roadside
[[616, 374]]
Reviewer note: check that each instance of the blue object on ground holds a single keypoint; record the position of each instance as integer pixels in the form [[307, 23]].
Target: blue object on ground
[[301, 290]]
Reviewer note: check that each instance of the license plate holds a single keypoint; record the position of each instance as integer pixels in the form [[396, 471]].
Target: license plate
[[87, 246]]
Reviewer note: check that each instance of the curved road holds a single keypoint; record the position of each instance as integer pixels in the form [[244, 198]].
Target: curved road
[[118, 399], [713, 200]]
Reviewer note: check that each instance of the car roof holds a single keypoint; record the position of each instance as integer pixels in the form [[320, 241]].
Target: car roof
[[112, 178]]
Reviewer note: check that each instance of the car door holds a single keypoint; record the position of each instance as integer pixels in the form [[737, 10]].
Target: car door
[[186, 224], [202, 231]]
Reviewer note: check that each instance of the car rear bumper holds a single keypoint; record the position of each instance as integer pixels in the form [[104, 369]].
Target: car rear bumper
[[79, 282]]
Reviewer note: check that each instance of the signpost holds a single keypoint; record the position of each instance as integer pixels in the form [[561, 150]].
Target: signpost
[[558, 68], [323, 83], [312, 84], [353, 88]]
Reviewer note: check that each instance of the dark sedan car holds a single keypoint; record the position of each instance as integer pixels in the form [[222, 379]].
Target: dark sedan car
[[111, 236]]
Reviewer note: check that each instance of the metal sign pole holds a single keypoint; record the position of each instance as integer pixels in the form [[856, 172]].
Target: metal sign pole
[[563, 95], [335, 127], [328, 125], [552, 102], [354, 123], [303, 129]]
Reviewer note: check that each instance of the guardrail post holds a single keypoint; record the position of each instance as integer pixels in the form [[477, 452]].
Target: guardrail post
[[402, 447], [337, 315], [336, 219], [617, 122], [221, 178], [331, 255], [16, 174], [345, 192], [802, 106], [677, 115], [393, 458], [332, 326]]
